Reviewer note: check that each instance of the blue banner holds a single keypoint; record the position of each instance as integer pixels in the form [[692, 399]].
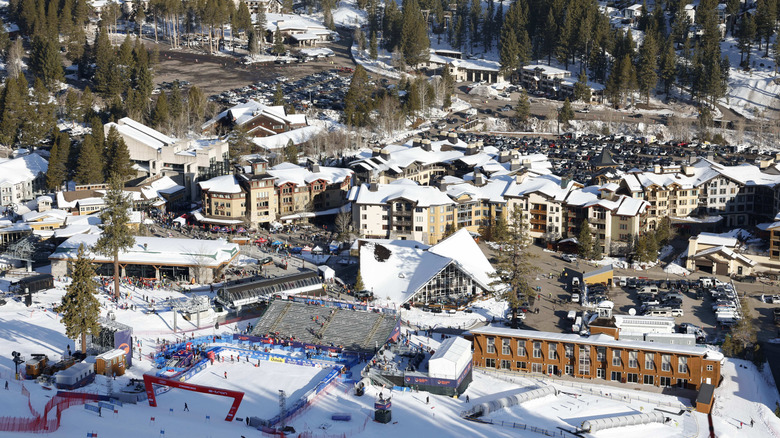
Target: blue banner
[[123, 341], [92, 408], [105, 405]]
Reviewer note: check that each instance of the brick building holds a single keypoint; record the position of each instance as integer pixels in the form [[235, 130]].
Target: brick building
[[596, 357]]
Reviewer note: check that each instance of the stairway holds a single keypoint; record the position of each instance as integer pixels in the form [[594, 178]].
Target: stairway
[[371, 333], [280, 317]]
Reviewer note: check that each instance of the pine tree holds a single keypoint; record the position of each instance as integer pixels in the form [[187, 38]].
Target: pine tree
[[160, 113], [566, 113], [118, 157], [372, 47], [196, 105], [12, 104], [668, 66], [243, 20], [106, 75], [509, 51], [55, 175], [581, 88], [514, 263], [45, 62], [357, 101], [647, 77], [116, 236], [359, 286], [291, 152], [89, 168], [253, 45], [414, 42], [39, 117], [278, 48], [80, 308], [523, 108], [239, 142], [585, 240]]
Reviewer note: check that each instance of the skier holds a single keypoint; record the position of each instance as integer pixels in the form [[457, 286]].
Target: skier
[[186, 408], [226, 374]]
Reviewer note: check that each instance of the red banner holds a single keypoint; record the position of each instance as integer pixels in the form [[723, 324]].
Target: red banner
[[149, 381]]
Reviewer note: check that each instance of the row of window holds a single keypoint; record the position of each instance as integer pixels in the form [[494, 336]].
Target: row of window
[[552, 354]]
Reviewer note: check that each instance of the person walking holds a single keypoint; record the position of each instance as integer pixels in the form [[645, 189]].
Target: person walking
[[186, 408], [226, 374]]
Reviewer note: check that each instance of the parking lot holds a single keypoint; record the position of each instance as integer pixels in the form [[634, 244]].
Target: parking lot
[[555, 302]]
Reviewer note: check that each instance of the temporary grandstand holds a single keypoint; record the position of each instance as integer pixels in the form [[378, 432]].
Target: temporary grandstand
[[317, 324], [264, 289]]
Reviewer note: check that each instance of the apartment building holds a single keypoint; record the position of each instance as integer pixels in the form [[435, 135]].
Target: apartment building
[[401, 210], [541, 200], [22, 179], [594, 357], [260, 191], [224, 201], [300, 189], [257, 119]]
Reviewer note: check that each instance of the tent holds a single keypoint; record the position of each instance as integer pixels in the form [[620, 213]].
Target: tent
[[327, 273], [450, 359]]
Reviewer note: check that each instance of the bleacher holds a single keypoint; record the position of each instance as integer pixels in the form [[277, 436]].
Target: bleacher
[[352, 329]]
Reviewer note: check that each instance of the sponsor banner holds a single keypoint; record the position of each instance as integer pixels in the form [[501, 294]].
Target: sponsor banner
[[123, 341]]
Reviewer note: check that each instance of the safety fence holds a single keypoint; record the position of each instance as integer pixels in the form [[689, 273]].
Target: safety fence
[[522, 426], [43, 423], [324, 434]]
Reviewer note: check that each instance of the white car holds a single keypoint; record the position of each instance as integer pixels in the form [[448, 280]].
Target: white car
[[569, 257], [575, 298]]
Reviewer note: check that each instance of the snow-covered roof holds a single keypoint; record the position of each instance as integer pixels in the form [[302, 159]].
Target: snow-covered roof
[[292, 22], [279, 141], [716, 240], [547, 185], [423, 196], [140, 132], [492, 191], [301, 176], [599, 340], [450, 359], [406, 270], [221, 184], [22, 169], [729, 253], [155, 250]]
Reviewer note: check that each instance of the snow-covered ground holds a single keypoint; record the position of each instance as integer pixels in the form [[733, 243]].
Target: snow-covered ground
[[745, 394]]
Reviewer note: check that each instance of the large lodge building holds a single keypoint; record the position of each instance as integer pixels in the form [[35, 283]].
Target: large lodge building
[[598, 356]]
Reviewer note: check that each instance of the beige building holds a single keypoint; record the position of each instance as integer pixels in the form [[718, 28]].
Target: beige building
[[224, 201], [716, 254], [186, 161], [260, 193]]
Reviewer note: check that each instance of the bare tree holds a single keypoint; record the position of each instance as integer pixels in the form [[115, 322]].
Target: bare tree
[[343, 224]]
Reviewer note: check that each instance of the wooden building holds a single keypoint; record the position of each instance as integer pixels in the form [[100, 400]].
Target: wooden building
[[596, 357]]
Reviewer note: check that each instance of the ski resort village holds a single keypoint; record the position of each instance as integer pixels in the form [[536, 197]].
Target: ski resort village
[[365, 218]]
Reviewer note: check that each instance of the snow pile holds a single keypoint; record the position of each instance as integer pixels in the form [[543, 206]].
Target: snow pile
[[349, 16], [484, 91], [665, 252], [674, 268]]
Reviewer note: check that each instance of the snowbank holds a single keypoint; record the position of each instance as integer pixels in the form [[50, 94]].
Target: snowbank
[[674, 268]]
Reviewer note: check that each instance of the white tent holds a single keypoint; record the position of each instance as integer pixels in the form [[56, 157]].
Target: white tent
[[452, 357], [327, 273]]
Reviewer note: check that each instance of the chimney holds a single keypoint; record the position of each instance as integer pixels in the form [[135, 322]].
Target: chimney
[[385, 154], [315, 168], [565, 182], [416, 141], [657, 169], [443, 186], [373, 187], [479, 179], [687, 170], [471, 149], [426, 144], [375, 152], [452, 137], [145, 246], [480, 144], [515, 164], [503, 156]]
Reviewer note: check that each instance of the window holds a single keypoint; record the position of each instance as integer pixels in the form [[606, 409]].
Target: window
[[491, 345], [536, 368], [521, 348], [666, 382], [666, 362], [537, 349], [615, 376], [521, 365], [633, 359], [505, 350], [649, 361], [600, 373], [682, 364], [433, 219], [433, 230], [569, 370], [490, 363], [584, 360], [505, 364], [648, 379], [568, 350], [632, 378], [709, 368], [552, 369], [616, 358], [601, 353]]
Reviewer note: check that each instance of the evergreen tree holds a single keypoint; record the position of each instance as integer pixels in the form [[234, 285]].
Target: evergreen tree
[[514, 263], [668, 66], [291, 152], [80, 308], [196, 105], [359, 286], [12, 104], [116, 236], [278, 48], [597, 253], [581, 88], [509, 51], [45, 62], [647, 77], [414, 42], [664, 232], [585, 240], [566, 113], [39, 117], [55, 175], [119, 165], [391, 26], [240, 142], [523, 108], [254, 46], [278, 95], [106, 73], [372, 47], [243, 21], [89, 168], [357, 101], [160, 113]]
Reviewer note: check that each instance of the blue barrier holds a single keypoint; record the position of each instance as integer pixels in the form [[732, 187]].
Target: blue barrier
[[92, 408], [105, 405]]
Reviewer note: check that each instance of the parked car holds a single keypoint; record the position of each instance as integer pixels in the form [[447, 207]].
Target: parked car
[[569, 257]]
